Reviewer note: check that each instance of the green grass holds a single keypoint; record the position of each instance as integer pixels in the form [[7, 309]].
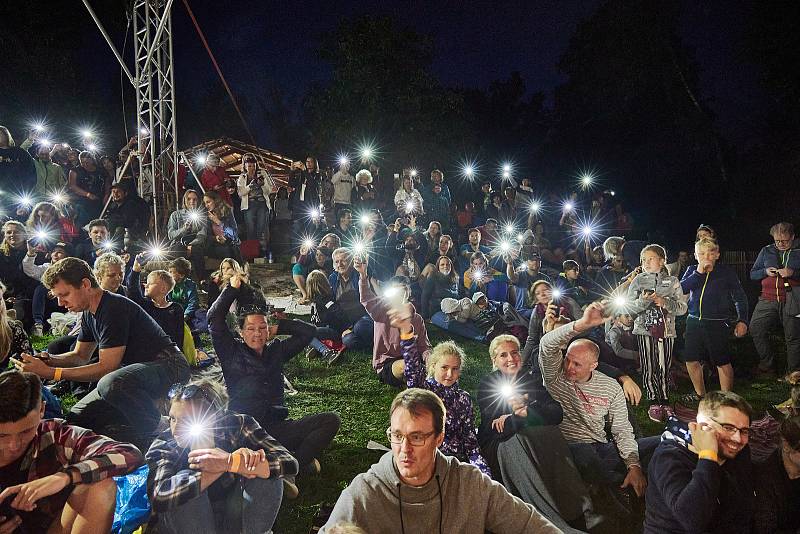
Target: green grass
[[352, 390]]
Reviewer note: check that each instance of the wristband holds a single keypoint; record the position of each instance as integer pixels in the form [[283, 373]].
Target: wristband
[[236, 460], [57, 373], [708, 454]]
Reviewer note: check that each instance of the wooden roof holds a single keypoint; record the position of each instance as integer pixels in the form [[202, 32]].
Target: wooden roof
[[230, 152]]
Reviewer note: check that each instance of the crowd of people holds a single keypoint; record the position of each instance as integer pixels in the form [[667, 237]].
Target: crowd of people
[[579, 327]]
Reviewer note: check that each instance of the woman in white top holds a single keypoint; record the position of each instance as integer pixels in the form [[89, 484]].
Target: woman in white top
[[408, 200], [254, 186]]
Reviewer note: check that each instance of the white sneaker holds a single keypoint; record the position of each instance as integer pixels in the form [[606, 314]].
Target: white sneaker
[[37, 330]]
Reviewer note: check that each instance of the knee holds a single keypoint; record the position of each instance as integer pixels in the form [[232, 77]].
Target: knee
[[332, 421], [266, 489], [95, 496]]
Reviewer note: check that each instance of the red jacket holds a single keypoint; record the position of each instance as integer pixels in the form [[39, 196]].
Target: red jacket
[[215, 181]]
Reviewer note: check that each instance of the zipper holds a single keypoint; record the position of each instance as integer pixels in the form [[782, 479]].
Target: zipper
[[703, 292]]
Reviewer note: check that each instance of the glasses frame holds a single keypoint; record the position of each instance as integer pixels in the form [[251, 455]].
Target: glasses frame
[[423, 436], [730, 429]]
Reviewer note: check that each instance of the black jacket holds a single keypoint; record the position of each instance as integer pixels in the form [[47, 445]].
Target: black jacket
[[255, 381], [777, 498], [685, 494]]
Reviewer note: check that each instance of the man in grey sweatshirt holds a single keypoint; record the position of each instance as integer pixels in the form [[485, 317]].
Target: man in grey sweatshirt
[[415, 488]]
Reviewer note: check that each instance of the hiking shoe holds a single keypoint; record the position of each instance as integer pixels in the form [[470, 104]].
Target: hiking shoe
[[691, 400], [656, 413], [332, 356], [290, 490], [37, 330]]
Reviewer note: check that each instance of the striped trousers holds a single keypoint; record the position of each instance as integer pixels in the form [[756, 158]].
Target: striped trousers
[[655, 356]]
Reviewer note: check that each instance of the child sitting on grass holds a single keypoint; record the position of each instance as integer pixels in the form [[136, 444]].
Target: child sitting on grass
[[185, 293]]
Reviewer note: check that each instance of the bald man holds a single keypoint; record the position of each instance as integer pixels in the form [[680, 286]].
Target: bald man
[[589, 398]]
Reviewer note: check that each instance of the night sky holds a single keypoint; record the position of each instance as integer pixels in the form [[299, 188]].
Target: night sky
[[261, 45]]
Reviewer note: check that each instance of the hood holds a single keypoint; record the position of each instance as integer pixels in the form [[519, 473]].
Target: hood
[[389, 479]]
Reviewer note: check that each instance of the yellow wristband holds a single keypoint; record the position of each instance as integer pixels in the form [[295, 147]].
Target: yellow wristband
[[57, 373], [236, 459], [708, 454], [406, 337]]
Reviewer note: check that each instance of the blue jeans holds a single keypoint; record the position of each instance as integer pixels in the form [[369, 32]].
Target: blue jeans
[[256, 221], [41, 305], [467, 330], [361, 337], [131, 393], [251, 508]]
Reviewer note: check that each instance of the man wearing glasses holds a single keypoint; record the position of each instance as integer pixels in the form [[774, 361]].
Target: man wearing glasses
[[777, 268], [701, 481], [415, 488]]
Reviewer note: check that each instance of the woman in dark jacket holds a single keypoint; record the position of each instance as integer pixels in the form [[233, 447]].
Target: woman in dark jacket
[[439, 285], [541, 293]]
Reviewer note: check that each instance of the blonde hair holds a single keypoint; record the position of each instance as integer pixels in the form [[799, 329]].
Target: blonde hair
[[5, 248], [612, 246], [317, 285], [707, 243], [7, 133], [165, 277], [5, 325], [235, 265], [446, 348], [658, 250], [104, 261], [502, 338]]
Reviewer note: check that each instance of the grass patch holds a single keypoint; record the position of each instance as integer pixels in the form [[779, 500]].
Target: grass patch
[[352, 390]]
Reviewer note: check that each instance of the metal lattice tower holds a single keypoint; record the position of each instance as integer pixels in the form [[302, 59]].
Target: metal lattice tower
[[155, 103], [154, 83]]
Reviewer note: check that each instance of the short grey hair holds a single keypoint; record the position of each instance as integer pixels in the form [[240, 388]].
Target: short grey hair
[[104, 261]]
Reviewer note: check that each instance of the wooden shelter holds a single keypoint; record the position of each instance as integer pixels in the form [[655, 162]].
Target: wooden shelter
[[230, 152]]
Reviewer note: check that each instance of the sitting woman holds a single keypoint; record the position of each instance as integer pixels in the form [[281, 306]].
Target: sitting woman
[[19, 286], [432, 236], [54, 227], [482, 277], [441, 377], [186, 231], [541, 295], [250, 292], [306, 262], [214, 470], [445, 248], [332, 320], [439, 285], [520, 438], [222, 233]]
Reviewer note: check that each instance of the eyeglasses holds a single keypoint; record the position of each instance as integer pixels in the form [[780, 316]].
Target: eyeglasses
[[417, 439], [730, 429], [782, 241]]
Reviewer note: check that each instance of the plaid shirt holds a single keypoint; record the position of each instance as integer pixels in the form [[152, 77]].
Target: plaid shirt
[[61, 448], [171, 483]]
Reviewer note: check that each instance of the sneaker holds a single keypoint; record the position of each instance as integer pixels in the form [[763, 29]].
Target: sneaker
[[312, 468], [290, 490], [37, 330], [656, 413], [332, 356]]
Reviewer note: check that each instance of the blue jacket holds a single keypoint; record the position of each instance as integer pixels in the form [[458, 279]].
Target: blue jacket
[[710, 294], [333, 279]]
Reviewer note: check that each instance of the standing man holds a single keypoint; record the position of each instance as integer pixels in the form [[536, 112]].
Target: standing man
[[138, 361], [50, 176], [702, 482], [305, 184], [343, 183], [777, 267], [416, 488]]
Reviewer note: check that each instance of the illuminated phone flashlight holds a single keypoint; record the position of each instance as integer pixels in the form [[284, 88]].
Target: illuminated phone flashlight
[[38, 127], [200, 435], [568, 206], [507, 391], [107, 245], [509, 228], [343, 160], [359, 248], [394, 295], [308, 243], [26, 201], [315, 213], [506, 170], [505, 247], [200, 159], [45, 142], [87, 134], [556, 293], [587, 231], [194, 216], [586, 180], [468, 171], [366, 219], [409, 206], [521, 238], [366, 152], [478, 274], [42, 235], [413, 173], [91, 147], [620, 302], [143, 131], [535, 207], [155, 251], [612, 193]]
